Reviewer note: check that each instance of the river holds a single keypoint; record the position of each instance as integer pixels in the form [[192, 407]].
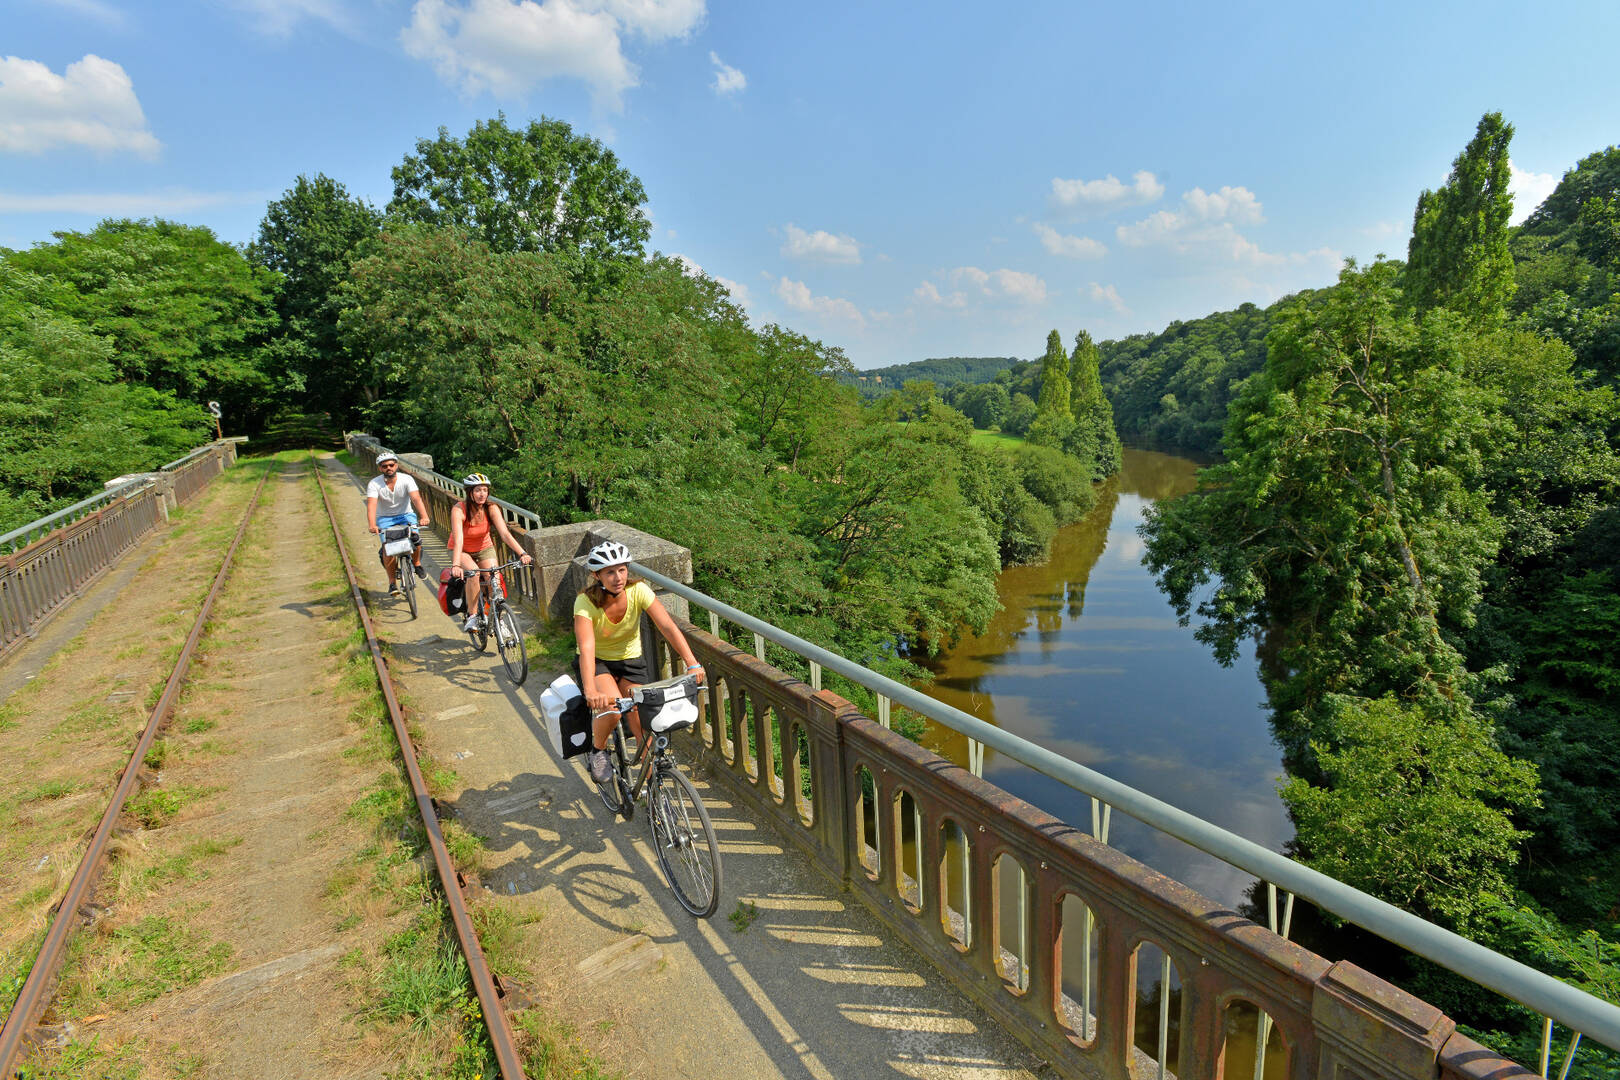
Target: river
[[1086, 658]]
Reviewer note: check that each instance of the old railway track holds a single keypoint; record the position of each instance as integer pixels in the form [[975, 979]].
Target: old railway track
[[75, 908]]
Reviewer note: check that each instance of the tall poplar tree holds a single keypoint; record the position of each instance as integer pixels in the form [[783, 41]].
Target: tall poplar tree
[[1091, 408], [1055, 378], [1458, 257]]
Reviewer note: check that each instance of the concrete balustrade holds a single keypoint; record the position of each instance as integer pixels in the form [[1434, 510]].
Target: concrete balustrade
[[57, 557], [878, 817]]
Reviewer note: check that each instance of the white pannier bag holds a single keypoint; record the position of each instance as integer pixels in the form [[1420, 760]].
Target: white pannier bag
[[568, 719]]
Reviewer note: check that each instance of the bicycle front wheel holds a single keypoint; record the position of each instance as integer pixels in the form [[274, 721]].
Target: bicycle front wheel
[[684, 840], [510, 643], [407, 577]]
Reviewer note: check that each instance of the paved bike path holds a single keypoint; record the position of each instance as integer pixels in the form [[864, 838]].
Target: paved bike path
[[812, 987]]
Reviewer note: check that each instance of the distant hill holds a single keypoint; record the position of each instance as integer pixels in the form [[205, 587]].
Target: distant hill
[[941, 371]]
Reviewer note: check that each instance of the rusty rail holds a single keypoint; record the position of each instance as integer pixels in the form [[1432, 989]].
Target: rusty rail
[[35, 992], [489, 992]]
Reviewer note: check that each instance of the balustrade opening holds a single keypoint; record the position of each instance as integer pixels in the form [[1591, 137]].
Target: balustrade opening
[[1157, 1025], [956, 884], [1245, 1027], [1011, 920], [1080, 952], [866, 824], [908, 851], [799, 776]]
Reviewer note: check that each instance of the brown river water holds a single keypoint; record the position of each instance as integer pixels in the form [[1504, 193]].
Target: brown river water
[[1086, 658]]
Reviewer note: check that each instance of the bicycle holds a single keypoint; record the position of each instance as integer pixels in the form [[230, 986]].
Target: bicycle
[[683, 836], [399, 542], [496, 615]]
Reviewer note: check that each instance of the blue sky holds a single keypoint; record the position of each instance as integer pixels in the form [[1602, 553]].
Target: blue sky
[[903, 181]]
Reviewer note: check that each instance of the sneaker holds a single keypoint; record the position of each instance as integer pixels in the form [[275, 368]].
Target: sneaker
[[473, 623], [421, 573], [601, 766], [393, 588]]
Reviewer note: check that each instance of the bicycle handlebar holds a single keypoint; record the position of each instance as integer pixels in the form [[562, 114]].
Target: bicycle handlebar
[[489, 569]]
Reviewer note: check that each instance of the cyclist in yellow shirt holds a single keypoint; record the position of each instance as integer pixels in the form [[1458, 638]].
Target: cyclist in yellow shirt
[[607, 628]]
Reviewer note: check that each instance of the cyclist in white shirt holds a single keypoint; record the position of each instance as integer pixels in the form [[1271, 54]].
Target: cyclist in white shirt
[[389, 500]]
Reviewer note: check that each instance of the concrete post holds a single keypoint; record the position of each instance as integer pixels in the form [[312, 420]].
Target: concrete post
[[1370, 1030]]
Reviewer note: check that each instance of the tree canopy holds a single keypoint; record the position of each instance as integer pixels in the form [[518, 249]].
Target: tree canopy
[[540, 188]]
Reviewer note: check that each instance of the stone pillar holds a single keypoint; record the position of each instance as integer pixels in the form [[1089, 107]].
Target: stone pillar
[[1370, 1030]]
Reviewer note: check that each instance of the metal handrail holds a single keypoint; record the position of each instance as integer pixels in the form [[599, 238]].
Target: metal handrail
[[202, 450], [1551, 997], [122, 490]]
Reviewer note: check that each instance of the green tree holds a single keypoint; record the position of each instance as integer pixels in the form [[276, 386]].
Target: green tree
[[1054, 397], [1347, 527], [1417, 808], [541, 188], [309, 236], [1092, 412], [1021, 413], [786, 389], [67, 421], [986, 404], [1597, 231], [186, 313], [1458, 257]]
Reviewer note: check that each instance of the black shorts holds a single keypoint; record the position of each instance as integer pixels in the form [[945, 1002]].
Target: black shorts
[[631, 671]]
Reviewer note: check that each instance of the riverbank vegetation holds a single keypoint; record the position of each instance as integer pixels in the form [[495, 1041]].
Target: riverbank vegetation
[[1418, 519]]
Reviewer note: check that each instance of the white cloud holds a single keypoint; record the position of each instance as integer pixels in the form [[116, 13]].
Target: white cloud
[[654, 20], [507, 47], [1107, 193], [92, 104], [929, 293], [1007, 284], [1075, 247], [820, 246], [797, 295], [1529, 189], [1228, 204], [1206, 229], [128, 204], [1106, 294], [727, 79]]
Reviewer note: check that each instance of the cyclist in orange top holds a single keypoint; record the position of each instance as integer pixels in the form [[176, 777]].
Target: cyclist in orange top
[[474, 522]]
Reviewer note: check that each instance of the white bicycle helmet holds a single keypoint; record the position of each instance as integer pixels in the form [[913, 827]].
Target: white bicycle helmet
[[387, 455], [606, 554], [474, 479]]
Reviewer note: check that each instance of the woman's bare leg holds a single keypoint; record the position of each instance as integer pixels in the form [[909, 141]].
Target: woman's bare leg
[[602, 723]]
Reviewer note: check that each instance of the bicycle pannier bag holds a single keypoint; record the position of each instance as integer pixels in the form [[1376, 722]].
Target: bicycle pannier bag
[[397, 540], [665, 708], [567, 716], [452, 595]]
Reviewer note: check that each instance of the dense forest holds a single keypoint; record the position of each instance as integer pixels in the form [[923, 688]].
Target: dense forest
[[531, 336], [1417, 518], [874, 382]]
